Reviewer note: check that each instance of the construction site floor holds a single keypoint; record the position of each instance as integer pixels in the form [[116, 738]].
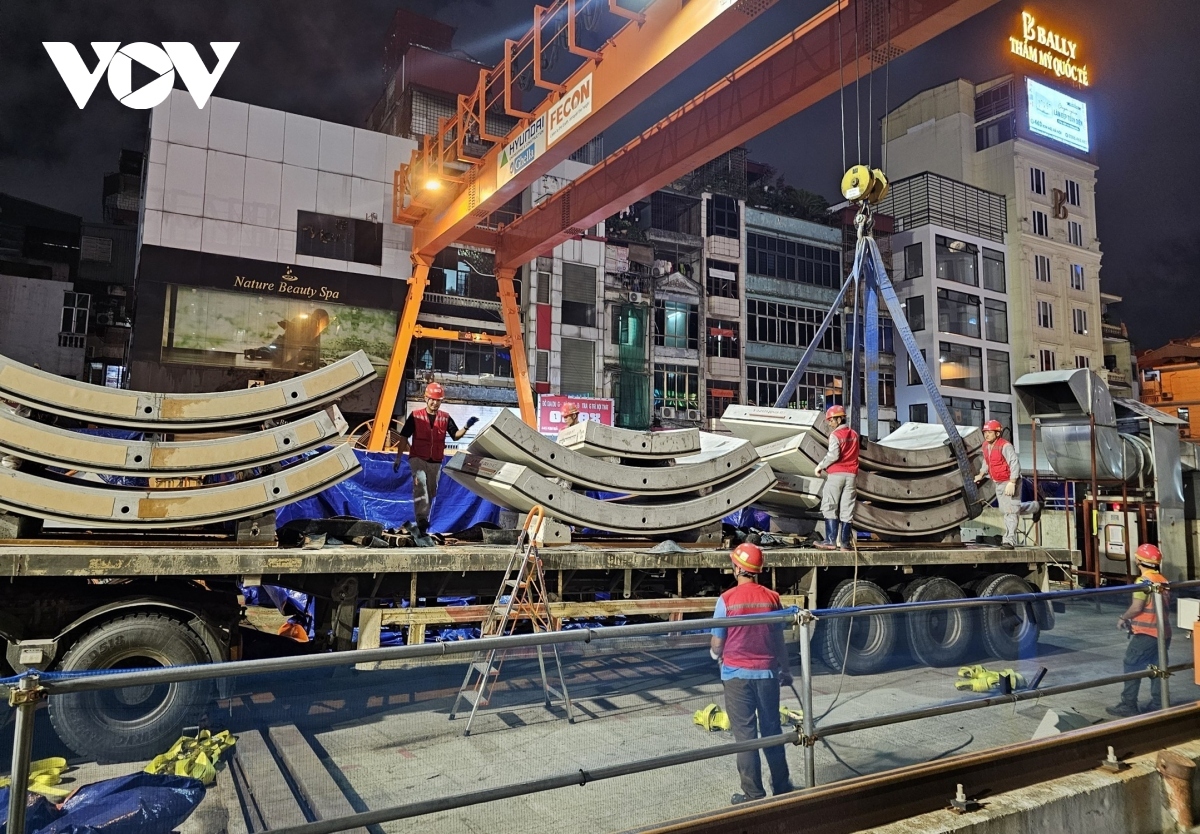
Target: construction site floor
[[382, 738]]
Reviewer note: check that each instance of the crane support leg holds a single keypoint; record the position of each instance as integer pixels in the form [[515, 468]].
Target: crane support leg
[[404, 337], [511, 312]]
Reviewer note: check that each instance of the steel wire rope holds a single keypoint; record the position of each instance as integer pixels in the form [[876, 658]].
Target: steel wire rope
[[841, 84], [857, 86]]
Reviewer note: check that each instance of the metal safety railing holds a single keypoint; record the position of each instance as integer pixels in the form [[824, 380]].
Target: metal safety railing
[[26, 691]]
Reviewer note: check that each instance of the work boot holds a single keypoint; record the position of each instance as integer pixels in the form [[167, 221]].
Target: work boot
[[1123, 710], [739, 798], [1007, 546], [1153, 706], [845, 537], [422, 526], [831, 535]]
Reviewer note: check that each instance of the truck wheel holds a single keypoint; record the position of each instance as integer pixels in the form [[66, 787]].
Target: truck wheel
[[871, 639], [1010, 632], [939, 638], [135, 722]]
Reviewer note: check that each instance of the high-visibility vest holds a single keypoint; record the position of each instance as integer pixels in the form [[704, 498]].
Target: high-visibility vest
[[750, 647], [848, 446], [1147, 621], [997, 466], [429, 441]]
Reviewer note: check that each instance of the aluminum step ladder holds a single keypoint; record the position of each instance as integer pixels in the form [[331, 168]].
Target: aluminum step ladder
[[522, 596]]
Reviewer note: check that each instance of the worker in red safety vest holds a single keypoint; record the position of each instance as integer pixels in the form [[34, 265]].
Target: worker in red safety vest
[[754, 664], [1000, 463], [840, 468], [423, 436], [1141, 621]]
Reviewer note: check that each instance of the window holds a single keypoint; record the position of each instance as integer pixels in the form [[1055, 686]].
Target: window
[[958, 313], [1184, 413], [579, 296], [1047, 361], [541, 366], [816, 390], [961, 366], [723, 217], [887, 389], [578, 372], [993, 133], [965, 411], [914, 309], [787, 324], [1079, 321], [995, 320], [96, 249], [791, 260], [1002, 413], [722, 279], [994, 101], [723, 339], [1082, 361], [1077, 277], [459, 358], [918, 413], [1041, 268], [339, 238], [886, 334], [75, 313], [1037, 180], [914, 260], [957, 261], [1075, 233], [676, 324], [544, 283], [1041, 223], [993, 270], [676, 386], [629, 327], [999, 377], [720, 395], [914, 378], [1045, 315], [1073, 193]]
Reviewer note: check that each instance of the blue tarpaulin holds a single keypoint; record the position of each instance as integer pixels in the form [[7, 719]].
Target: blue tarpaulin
[[378, 494], [141, 803]]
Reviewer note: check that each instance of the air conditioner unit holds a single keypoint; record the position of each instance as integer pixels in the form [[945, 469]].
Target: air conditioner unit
[[667, 413], [104, 319], [635, 298], [693, 414]]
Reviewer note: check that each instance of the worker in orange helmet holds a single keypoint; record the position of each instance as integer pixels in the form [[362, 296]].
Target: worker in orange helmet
[[1000, 463], [754, 664], [840, 469], [423, 436], [570, 415], [1141, 621]]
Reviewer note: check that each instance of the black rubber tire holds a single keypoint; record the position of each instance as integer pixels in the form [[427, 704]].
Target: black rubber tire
[[1010, 632], [134, 723], [939, 638], [873, 640]]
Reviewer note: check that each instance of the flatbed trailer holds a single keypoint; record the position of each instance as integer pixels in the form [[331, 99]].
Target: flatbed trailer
[[104, 602]]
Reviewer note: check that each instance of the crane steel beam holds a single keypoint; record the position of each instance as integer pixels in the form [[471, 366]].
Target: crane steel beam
[[641, 58], [794, 73]]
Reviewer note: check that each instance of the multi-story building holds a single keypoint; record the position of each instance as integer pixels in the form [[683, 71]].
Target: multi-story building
[[43, 316], [1119, 363], [1026, 139], [1170, 381], [951, 273]]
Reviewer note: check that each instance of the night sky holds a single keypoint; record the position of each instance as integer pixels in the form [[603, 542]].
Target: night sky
[[323, 59]]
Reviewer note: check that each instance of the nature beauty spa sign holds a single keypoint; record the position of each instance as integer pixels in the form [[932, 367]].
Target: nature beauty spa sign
[[1048, 49]]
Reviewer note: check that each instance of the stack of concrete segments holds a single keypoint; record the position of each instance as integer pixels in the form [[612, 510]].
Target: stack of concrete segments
[[686, 478], [51, 472], [909, 484]]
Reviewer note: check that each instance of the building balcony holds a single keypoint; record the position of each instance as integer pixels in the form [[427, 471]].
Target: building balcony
[[1113, 331]]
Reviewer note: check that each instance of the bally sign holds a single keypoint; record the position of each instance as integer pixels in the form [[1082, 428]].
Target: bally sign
[[571, 109]]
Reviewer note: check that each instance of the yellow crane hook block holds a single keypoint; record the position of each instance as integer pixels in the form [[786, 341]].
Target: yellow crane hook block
[[196, 757]]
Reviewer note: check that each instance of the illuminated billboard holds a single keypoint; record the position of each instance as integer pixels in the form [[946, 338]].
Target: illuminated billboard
[[1057, 116]]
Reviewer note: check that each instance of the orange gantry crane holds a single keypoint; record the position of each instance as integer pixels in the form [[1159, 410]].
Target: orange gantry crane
[[451, 193]]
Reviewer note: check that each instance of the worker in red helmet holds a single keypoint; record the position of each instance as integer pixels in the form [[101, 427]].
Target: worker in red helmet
[[570, 415], [1001, 464], [754, 664], [423, 436], [839, 467], [1141, 621]]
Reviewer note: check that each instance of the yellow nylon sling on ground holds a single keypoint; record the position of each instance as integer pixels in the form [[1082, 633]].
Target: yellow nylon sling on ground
[[979, 679], [196, 757], [44, 777], [714, 719]]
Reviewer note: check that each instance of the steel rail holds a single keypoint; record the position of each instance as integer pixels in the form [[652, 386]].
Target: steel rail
[[88, 403], [866, 802]]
